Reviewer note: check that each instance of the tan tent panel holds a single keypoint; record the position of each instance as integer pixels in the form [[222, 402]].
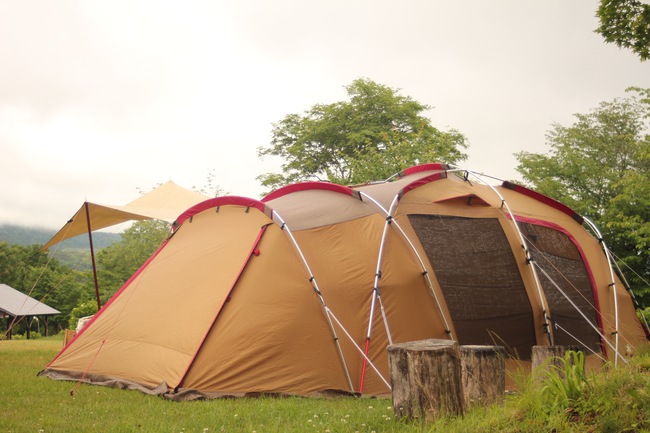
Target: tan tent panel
[[165, 202], [302, 292]]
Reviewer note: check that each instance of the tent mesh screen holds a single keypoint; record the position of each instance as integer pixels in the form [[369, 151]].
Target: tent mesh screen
[[554, 252], [479, 278]]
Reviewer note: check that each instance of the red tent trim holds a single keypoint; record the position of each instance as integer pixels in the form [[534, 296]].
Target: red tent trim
[[544, 199], [306, 186]]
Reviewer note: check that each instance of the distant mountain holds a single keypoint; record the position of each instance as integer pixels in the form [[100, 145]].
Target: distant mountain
[[20, 235]]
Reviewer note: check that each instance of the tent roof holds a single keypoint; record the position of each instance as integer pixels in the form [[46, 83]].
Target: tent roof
[[165, 202], [16, 303]]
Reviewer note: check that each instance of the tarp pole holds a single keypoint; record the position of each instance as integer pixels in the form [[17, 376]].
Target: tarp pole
[[92, 256]]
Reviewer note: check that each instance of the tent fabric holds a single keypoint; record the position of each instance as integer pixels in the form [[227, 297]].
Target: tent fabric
[[165, 203], [301, 293], [15, 303]]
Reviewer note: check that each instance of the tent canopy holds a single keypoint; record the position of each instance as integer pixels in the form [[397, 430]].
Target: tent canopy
[[165, 202], [16, 304]]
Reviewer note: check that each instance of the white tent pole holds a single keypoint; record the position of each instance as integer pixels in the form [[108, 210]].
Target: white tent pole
[[425, 273], [314, 284], [529, 258], [612, 284]]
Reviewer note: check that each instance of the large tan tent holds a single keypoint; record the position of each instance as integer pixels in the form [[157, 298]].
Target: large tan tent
[[300, 293]]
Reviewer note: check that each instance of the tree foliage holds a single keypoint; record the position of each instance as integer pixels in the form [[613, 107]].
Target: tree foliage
[[600, 166], [31, 272], [116, 263], [626, 23], [375, 134]]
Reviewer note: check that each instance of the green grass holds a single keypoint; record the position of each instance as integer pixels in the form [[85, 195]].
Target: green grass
[[617, 400]]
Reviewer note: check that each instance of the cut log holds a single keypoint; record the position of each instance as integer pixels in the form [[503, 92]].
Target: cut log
[[545, 358], [483, 373], [426, 379]]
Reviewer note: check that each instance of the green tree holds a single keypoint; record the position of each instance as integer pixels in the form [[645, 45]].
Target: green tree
[[626, 23], [375, 134], [600, 166], [29, 271], [117, 262]]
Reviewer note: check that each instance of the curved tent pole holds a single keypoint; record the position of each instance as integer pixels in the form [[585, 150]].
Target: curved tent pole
[[314, 285], [626, 284], [593, 227], [425, 273], [529, 258], [376, 294]]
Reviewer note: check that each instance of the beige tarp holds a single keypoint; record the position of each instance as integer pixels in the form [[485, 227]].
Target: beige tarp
[[165, 202]]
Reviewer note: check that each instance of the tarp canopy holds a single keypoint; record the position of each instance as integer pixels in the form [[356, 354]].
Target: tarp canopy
[[165, 203], [15, 303]]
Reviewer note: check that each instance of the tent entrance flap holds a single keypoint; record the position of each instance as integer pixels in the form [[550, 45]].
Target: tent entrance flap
[[556, 253], [480, 281]]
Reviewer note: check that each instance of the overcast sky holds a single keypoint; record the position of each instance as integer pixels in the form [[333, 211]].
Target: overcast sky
[[101, 99]]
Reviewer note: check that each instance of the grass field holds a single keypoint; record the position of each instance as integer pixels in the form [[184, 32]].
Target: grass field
[[613, 401]]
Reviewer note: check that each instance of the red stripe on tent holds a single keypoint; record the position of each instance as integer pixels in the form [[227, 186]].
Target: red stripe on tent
[[306, 186], [253, 252], [113, 298], [423, 167], [421, 182], [592, 280], [220, 201], [544, 199]]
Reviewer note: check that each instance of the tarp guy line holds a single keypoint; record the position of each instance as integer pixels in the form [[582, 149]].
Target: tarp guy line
[[612, 285], [314, 284], [529, 259]]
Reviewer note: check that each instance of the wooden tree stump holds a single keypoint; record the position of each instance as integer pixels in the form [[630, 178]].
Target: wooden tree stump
[[545, 358], [426, 379], [483, 371]]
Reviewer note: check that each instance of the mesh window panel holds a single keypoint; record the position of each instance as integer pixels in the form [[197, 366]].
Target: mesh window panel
[[559, 257], [480, 281]]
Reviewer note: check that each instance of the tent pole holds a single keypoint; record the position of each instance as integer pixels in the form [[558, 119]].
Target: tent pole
[[425, 273], [612, 285], [92, 256]]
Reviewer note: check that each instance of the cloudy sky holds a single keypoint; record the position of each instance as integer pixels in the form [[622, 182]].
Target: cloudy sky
[[100, 99]]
